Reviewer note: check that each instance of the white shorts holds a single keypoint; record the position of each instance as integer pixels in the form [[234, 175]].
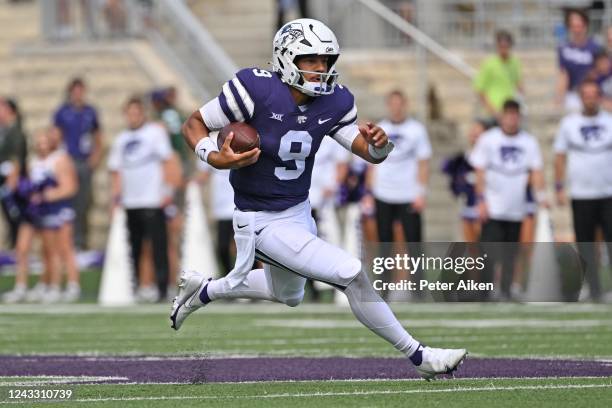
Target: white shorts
[[287, 243]]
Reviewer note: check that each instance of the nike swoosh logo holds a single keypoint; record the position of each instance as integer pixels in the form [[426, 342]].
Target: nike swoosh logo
[[258, 232], [241, 226], [323, 121]]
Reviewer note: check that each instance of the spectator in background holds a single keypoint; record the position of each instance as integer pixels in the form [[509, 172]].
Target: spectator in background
[[13, 151], [462, 181], [608, 37], [399, 184], [45, 201], [576, 58], [64, 232], [79, 123], [506, 159], [116, 17], [222, 211], [139, 162], [283, 7], [499, 77], [165, 110], [582, 148], [181, 169], [602, 74]]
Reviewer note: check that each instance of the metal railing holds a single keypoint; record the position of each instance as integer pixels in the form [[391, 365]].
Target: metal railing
[[420, 37], [372, 26], [178, 34], [472, 24]]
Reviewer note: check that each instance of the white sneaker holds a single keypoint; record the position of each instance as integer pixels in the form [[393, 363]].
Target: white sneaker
[[187, 301], [72, 293], [17, 295], [437, 361], [37, 293], [52, 295]]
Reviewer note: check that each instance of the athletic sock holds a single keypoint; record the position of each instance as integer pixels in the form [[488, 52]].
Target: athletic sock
[[255, 286], [417, 356], [376, 315], [204, 298]]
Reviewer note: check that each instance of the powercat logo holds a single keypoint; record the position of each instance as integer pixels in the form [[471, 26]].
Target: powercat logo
[[290, 33]]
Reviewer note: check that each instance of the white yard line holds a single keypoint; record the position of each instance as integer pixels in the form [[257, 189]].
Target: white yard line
[[437, 323], [342, 394], [32, 380], [272, 308]]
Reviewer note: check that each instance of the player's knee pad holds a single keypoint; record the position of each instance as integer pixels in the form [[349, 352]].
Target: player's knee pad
[[347, 271]]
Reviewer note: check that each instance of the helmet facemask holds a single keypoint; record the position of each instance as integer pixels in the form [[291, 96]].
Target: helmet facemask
[[326, 83]]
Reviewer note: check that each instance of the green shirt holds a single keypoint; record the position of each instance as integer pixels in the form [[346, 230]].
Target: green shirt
[[13, 145], [498, 79]]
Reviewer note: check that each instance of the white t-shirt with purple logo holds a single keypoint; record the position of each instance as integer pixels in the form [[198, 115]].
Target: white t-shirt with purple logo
[[507, 162], [587, 141]]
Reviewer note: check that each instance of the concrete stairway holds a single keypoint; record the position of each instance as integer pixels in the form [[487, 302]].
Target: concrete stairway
[[244, 28]]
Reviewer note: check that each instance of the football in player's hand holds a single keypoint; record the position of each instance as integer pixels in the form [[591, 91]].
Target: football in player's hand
[[245, 137]]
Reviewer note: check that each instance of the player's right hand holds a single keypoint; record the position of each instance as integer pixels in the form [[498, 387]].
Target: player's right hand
[[226, 158]]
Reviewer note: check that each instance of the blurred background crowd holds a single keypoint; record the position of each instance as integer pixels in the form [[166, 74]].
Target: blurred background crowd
[[93, 94]]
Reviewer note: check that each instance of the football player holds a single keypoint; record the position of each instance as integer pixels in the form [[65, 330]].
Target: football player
[[293, 107]]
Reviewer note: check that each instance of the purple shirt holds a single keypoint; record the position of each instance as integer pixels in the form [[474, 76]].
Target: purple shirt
[[577, 61], [78, 127]]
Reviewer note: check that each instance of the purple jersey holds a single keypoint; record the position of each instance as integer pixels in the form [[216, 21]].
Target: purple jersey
[[78, 126], [290, 136], [577, 61]]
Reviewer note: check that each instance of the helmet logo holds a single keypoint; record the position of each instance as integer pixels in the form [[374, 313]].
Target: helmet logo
[[329, 49], [290, 33]]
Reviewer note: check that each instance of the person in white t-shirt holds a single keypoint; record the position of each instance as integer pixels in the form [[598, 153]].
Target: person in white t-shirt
[[138, 162], [399, 183], [583, 148], [222, 211], [331, 161], [506, 160]]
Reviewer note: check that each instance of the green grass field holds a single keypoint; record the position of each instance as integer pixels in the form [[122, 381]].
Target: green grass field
[[552, 331]]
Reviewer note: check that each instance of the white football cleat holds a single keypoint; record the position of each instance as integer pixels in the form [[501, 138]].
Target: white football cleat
[[438, 361], [188, 299]]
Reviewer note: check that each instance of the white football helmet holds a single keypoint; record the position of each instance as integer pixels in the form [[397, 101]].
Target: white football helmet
[[300, 37]]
